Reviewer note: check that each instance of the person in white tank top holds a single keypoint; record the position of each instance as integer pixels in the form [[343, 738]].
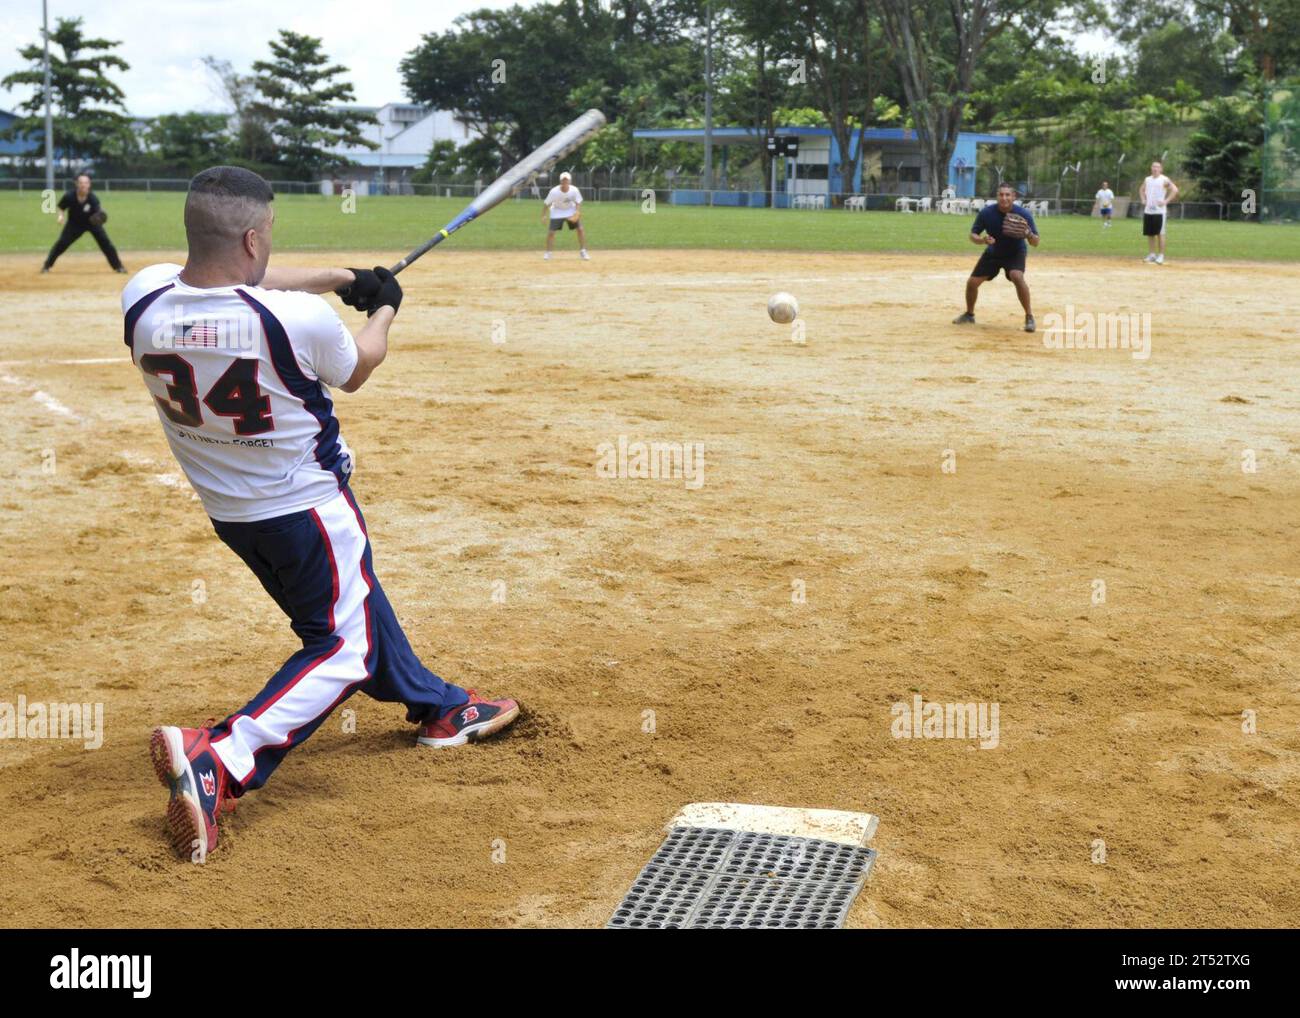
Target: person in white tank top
[[1157, 192]]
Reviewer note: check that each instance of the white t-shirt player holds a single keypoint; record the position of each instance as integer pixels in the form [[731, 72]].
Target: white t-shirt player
[[564, 201], [1105, 203]]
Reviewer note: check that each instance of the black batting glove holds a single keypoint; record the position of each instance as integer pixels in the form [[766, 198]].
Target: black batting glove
[[361, 291], [389, 293]]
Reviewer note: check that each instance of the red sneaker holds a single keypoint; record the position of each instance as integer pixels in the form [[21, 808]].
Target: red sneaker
[[184, 761], [469, 722]]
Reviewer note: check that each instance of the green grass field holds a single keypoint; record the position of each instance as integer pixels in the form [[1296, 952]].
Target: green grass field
[[141, 221]]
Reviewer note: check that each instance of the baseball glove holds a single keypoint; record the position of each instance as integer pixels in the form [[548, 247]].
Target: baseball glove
[[98, 218], [1015, 226]]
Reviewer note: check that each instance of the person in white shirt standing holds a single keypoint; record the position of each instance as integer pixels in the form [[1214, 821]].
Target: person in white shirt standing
[[564, 202], [238, 359], [1105, 204], [1156, 194]]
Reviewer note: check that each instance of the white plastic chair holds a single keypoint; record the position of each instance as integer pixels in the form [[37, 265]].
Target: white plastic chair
[[903, 205], [924, 205]]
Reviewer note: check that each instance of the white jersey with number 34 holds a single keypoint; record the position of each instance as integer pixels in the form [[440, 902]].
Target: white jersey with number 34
[[239, 378]]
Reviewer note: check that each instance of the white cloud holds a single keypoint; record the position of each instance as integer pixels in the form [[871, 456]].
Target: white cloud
[[164, 40]]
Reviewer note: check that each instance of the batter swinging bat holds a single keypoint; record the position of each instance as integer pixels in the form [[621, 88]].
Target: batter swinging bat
[[567, 140]]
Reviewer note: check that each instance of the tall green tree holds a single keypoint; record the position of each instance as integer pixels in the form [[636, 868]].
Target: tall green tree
[[1233, 37], [755, 80], [298, 99], [1223, 154], [1197, 52], [251, 143], [508, 73], [829, 57], [190, 141], [88, 110], [839, 40], [518, 74], [937, 47], [1268, 31]]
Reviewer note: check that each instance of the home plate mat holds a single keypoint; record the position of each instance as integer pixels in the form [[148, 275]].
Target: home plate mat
[[735, 866]]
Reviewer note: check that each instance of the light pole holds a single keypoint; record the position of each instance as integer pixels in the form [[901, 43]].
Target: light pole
[[708, 102], [49, 117]]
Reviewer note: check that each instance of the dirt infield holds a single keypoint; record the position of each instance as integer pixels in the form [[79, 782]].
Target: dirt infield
[[1120, 722]]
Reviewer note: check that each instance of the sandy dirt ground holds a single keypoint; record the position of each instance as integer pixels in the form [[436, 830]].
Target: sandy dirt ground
[[1123, 723]]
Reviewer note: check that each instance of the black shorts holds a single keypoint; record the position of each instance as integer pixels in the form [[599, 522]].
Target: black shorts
[[558, 224], [990, 264], [1153, 224]]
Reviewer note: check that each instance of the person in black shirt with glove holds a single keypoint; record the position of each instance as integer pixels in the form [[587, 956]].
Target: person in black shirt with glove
[[83, 215], [1002, 230]]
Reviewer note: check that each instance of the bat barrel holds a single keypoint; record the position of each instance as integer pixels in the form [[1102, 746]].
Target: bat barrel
[[571, 137]]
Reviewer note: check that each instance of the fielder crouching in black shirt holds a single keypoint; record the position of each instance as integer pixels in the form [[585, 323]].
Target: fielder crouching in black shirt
[[83, 215]]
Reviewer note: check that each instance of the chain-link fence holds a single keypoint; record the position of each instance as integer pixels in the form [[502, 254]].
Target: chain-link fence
[[147, 184], [595, 190]]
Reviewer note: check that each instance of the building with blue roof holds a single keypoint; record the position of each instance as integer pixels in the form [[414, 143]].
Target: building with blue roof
[[892, 161]]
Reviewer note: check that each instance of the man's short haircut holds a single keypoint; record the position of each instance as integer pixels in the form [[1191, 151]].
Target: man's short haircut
[[1007, 186], [223, 204]]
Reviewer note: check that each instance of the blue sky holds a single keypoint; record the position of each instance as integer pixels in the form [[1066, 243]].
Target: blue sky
[[164, 41]]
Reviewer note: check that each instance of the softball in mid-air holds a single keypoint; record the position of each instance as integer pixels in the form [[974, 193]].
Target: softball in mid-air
[[782, 308]]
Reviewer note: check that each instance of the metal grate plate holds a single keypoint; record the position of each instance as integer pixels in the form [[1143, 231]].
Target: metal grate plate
[[709, 878]]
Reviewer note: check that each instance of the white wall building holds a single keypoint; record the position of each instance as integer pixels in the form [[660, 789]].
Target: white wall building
[[405, 133]]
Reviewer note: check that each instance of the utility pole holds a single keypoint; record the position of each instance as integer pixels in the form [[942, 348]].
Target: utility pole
[[708, 103], [49, 117]]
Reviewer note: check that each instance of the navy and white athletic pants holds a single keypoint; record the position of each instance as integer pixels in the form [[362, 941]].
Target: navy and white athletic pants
[[317, 566]]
